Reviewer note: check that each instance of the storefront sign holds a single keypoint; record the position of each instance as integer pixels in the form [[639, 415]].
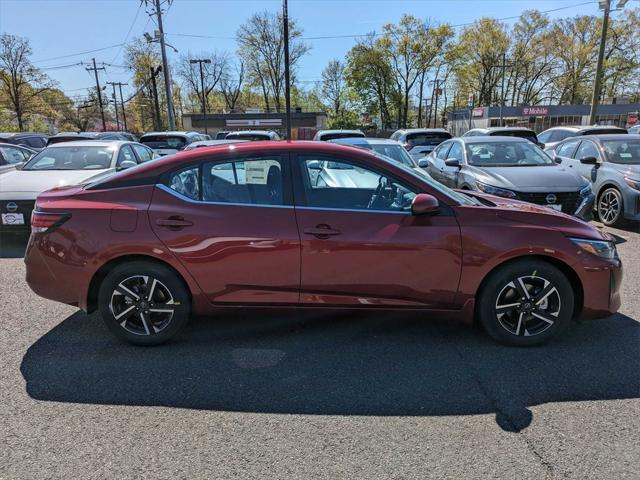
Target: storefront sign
[[632, 118], [534, 111], [478, 112], [261, 122]]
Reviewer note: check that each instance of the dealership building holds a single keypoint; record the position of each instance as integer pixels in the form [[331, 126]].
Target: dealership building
[[303, 124], [541, 117]]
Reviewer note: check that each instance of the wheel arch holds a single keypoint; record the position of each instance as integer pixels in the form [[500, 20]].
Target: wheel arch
[[566, 269], [103, 271]]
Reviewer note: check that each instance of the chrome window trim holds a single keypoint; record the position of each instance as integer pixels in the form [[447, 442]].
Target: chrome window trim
[[203, 202], [171, 191]]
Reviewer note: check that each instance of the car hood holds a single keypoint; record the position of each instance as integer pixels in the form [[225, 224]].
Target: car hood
[[631, 171], [26, 184], [531, 214], [551, 178]]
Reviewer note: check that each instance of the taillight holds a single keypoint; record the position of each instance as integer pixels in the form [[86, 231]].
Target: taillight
[[45, 221]]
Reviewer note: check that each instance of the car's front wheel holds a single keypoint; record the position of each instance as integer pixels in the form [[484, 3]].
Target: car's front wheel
[[525, 303], [611, 207], [143, 303]]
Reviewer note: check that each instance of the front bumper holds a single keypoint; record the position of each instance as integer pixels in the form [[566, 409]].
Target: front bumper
[[584, 211], [601, 288]]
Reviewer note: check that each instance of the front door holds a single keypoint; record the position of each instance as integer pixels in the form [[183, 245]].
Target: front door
[[362, 247], [232, 225]]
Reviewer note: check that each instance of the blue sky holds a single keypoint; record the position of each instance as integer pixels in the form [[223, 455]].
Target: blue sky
[[63, 27]]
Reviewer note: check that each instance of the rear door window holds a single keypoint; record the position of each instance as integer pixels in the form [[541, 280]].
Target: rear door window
[[567, 148], [144, 154]]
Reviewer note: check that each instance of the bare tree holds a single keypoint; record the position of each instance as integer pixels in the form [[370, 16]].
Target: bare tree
[[231, 85], [20, 81], [334, 87], [213, 72], [261, 44]]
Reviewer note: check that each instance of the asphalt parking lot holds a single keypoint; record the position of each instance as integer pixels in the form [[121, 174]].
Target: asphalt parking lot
[[287, 395]]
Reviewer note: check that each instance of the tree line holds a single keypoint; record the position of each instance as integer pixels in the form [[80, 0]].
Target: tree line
[[409, 74]]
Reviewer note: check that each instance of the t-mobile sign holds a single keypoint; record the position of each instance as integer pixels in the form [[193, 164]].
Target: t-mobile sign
[[533, 111]]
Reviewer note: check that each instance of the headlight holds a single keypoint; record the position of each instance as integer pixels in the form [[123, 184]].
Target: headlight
[[635, 184], [586, 190], [599, 248], [500, 192]]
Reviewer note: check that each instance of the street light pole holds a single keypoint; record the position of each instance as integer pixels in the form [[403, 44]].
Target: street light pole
[[287, 89], [204, 92]]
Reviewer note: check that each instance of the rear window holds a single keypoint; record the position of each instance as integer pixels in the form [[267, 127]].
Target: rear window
[[173, 142], [253, 137], [515, 133], [35, 142], [70, 138], [603, 131], [427, 138], [332, 136]]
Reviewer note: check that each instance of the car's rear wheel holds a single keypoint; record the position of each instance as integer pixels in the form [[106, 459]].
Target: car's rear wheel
[[611, 207], [143, 303], [525, 303]]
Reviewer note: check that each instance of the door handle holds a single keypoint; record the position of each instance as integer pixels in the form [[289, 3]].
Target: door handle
[[322, 231], [174, 223]]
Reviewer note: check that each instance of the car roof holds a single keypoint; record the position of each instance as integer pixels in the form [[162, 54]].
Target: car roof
[[498, 129], [364, 141], [13, 145], [251, 132], [90, 143], [346, 130], [425, 130], [210, 143], [171, 133], [493, 139]]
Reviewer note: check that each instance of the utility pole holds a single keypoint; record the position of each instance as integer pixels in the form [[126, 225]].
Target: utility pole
[[435, 94], [115, 102], [165, 64], [157, 124], [504, 67], [287, 91], [95, 70], [595, 98], [204, 92], [124, 115]]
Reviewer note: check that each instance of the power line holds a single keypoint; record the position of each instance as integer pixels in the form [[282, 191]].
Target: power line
[[128, 32], [78, 53]]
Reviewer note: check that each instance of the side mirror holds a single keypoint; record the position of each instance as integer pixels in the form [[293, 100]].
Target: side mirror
[[452, 162], [557, 160], [589, 160], [541, 145], [424, 204], [126, 164], [314, 165], [423, 162]]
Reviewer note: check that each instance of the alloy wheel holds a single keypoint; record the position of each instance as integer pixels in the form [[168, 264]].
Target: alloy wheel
[[142, 305], [609, 207], [528, 305]]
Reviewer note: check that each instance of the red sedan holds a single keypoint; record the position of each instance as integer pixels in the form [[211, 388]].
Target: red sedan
[[314, 226]]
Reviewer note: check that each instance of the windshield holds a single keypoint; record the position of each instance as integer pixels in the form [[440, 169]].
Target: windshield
[[172, 142], [427, 138], [506, 154], [623, 151], [71, 158], [392, 151]]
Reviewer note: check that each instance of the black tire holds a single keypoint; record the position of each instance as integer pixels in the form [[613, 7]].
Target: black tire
[[610, 207], [144, 320], [521, 325]]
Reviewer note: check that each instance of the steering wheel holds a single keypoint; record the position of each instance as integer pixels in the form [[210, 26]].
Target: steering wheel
[[383, 184]]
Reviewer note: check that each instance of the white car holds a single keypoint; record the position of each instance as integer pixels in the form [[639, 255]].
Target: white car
[[60, 165]]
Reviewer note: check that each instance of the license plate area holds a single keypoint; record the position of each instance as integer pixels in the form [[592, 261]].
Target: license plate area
[[557, 208], [12, 219]]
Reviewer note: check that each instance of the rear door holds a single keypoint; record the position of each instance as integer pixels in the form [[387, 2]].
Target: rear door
[[361, 246], [231, 223]]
